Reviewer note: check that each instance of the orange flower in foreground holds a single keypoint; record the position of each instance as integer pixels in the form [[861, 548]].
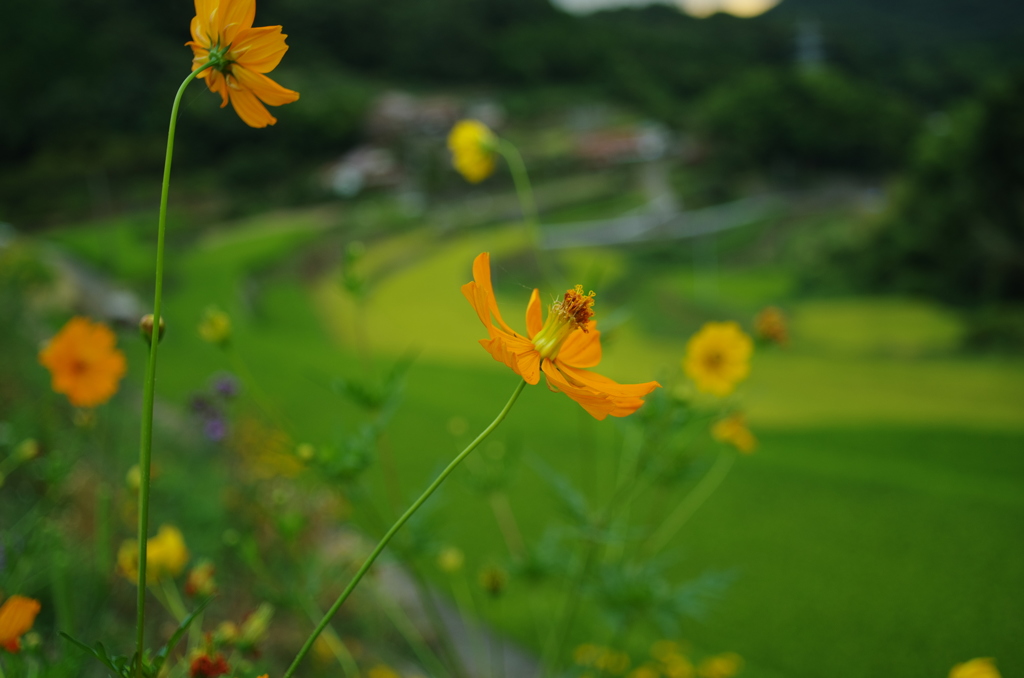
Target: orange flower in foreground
[[222, 32], [561, 346], [17, 615], [84, 363]]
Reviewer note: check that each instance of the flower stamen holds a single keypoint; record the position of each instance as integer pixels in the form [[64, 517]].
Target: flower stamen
[[572, 312]]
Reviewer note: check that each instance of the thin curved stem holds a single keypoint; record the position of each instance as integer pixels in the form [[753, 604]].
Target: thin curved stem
[[149, 389], [524, 191], [397, 526]]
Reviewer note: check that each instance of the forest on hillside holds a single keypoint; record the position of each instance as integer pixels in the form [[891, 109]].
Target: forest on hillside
[[87, 119]]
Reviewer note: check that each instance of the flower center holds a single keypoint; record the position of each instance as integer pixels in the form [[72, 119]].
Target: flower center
[[219, 57], [573, 312], [714, 360]]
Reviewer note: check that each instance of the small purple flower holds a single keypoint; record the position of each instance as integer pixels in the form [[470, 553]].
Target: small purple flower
[[202, 405], [215, 428], [225, 385]]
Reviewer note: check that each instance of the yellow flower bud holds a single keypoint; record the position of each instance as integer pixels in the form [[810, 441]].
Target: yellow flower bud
[[200, 580], [254, 628], [27, 449], [146, 328], [215, 327], [451, 559], [493, 580]]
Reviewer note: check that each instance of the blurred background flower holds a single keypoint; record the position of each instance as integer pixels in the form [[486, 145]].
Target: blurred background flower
[[84, 363]]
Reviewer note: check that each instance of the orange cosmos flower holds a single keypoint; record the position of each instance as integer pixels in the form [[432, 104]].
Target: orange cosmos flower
[[17, 615], [561, 346], [222, 32], [84, 363]]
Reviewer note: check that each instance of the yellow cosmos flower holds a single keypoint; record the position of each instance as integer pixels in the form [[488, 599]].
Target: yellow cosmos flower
[[645, 671], [472, 144], [17, 615], [678, 666], [84, 363], [222, 32], [983, 667], [561, 347], [733, 430], [724, 665], [718, 357], [166, 556]]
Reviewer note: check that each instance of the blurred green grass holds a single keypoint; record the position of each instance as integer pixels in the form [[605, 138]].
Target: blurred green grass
[[877, 531]]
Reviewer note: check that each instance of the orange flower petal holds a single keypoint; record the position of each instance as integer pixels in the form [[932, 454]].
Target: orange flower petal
[[233, 16], [477, 298], [217, 83], [598, 405], [202, 23], [259, 49], [529, 366], [582, 349], [515, 352], [482, 276], [247, 106], [17, 615], [604, 384], [533, 318], [268, 91]]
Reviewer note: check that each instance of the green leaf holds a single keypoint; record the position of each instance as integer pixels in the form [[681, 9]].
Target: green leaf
[[117, 664], [162, 655]]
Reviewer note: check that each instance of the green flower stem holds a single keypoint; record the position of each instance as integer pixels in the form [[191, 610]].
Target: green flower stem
[[172, 599], [689, 505], [524, 190], [522, 180], [397, 526], [506, 520], [146, 441], [103, 531]]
